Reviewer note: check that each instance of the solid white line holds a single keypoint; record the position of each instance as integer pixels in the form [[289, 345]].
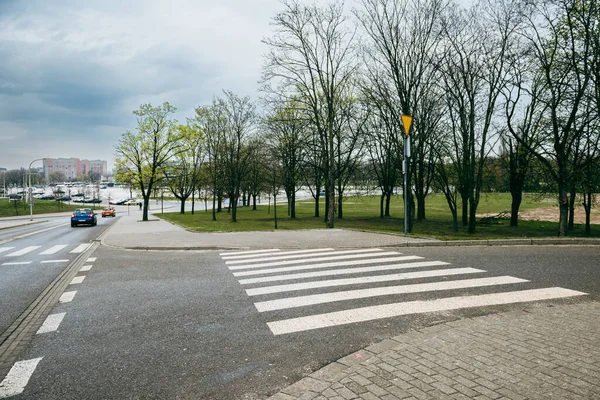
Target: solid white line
[[23, 251], [17, 377], [235, 253], [276, 253], [67, 296], [53, 261], [290, 262], [51, 323], [54, 249], [85, 268], [337, 271], [81, 248], [91, 259], [302, 301], [327, 253], [415, 307], [40, 231], [17, 263], [77, 280], [358, 281], [3, 249]]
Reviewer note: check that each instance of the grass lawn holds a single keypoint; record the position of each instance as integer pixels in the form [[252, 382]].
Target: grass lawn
[[10, 209], [363, 213]]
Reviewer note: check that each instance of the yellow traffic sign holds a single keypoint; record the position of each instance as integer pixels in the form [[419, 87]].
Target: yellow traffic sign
[[406, 121]]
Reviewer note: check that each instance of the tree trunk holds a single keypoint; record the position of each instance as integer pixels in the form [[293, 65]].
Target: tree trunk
[[381, 204], [572, 199], [388, 198], [563, 206], [214, 209], [293, 206], [587, 205], [254, 202], [517, 197], [182, 208], [275, 209], [420, 206]]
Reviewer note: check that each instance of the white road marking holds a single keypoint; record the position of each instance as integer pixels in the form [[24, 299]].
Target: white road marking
[[345, 271], [301, 301], [17, 377], [53, 261], [51, 323], [40, 231], [235, 253], [91, 259], [319, 259], [67, 296], [85, 268], [327, 253], [81, 248], [17, 263], [54, 249], [362, 280], [415, 307], [77, 280], [3, 249], [277, 253], [23, 251]]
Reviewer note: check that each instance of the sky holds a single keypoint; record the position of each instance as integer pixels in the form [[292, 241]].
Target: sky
[[72, 71]]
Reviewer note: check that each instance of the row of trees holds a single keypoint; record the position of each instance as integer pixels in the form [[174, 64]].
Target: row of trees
[[507, 80]]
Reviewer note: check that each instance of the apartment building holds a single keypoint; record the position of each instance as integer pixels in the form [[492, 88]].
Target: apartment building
[[74, 167]]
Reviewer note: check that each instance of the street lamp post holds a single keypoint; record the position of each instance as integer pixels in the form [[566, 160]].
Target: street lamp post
[[30, 191]]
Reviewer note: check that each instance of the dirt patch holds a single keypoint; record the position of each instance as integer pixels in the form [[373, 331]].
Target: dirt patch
[[552, 214]]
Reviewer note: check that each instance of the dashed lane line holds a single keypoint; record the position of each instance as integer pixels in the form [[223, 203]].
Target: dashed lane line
[[302, 301], [17, 263], [361, 280], [85, 268], [81, 248], [5, 249], [77, 280], [91, 259], [54, 261], [17, 377], [415, 307], [51, 323], [67, 297]]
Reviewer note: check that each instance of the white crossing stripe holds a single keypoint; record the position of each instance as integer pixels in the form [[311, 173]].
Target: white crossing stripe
[[327, 253], [67, 296], [53, 261], [324, 265], [17, 263], [91, 259], [17, 377], [302, 301], [415, 307], [359, 281], [319, 259], [4, 249], [51, 323], [277, 253], [23, 251], [77, 280], [81, 248], [85, 268], [235, 253], [54, 249], [345, 271]]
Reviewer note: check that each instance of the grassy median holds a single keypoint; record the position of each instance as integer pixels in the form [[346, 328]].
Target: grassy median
[[363, 213]]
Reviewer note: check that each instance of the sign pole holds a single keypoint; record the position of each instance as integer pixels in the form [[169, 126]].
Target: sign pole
[[406, 121]]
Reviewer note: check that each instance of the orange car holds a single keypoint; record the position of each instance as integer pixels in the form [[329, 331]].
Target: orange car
[[108, 212]]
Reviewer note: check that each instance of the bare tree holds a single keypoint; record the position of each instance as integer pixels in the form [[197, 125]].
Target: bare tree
[[311, 60]]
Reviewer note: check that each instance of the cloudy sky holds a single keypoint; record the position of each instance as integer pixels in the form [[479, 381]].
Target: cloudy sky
[[73, 71]]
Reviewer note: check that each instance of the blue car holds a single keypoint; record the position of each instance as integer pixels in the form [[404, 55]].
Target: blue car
[[83, 216]]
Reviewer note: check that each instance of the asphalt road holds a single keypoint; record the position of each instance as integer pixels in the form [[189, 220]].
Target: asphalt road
[[180, 325], [32, 256]]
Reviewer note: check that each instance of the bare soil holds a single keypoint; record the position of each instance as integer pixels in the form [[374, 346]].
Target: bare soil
[[552, 214]]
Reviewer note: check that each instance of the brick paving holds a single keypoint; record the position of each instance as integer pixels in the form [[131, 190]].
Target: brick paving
[[544, 353]]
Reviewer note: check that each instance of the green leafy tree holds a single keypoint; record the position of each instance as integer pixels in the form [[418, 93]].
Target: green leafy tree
[[143, 155]]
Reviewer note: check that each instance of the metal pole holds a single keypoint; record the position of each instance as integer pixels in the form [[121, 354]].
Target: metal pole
[[29, 191], [406, 182]]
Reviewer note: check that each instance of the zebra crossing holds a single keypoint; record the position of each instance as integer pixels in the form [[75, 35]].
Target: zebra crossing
[[297, 280], [9, 253]]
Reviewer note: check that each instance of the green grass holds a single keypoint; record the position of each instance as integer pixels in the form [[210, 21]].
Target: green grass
[[8, 209], [362, 213]]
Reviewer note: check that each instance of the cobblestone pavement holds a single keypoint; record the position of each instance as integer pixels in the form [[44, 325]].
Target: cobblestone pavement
[[545, 353]]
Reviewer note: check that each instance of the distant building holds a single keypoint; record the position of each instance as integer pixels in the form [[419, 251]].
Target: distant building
[[2, 169], [74, 167]]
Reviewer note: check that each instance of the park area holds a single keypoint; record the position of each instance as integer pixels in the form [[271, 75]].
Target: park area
[[538, 218]]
